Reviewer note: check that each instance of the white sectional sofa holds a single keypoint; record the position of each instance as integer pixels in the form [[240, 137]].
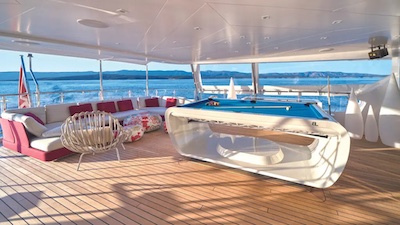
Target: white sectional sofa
[[36, 131]]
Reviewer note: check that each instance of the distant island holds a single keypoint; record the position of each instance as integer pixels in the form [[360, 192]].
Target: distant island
[[174, 74]]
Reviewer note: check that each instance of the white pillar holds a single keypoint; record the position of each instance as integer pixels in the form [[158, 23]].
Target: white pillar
[[255, 79], [147, 80], [198, 84], [395, 47], [101, 95]]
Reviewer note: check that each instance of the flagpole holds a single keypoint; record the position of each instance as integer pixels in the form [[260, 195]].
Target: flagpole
[[34, 80]]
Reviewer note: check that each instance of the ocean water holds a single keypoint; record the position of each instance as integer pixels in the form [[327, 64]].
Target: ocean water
[[87, 90]]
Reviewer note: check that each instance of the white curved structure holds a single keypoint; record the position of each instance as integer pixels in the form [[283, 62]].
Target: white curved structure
[[231, 91], [389, 115], [353, 119], [371, 127], [318, 164]]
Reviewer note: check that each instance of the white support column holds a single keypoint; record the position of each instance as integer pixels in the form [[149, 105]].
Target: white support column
[[255, 79], [101, 94], [198, 84], [395, 47], [147, 80]]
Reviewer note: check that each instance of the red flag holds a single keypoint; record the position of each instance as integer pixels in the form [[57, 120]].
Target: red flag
[[23, 97]]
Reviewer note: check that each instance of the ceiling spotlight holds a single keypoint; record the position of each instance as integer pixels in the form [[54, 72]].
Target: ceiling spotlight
[[267, 38], [326, 49], [92, 23], [197, 28], [323, 38], [242, 37], [337, 21], [249, 43], [378, 52], [266, 17], [122, 11]]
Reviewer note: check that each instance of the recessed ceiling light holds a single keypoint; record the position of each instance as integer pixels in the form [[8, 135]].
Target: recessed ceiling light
[[92, 23], [326, 49], [267, 38], [337, 21], [323, 38], [226, 42], [242, 37], [197, 28], [249, 43], [25, 42], [208, 58], [266, 17], [121, 11]]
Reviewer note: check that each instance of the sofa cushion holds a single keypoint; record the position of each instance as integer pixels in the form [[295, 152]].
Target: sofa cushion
[[151, 102], [125, 105], [87, 107], [40, 112], [30, 124], [46, 144], [125, 114], [57, 112], [34, 117], [170, 102], [55, 132], [107, 107]]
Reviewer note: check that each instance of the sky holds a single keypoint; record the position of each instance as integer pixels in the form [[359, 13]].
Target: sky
[[10, 61]]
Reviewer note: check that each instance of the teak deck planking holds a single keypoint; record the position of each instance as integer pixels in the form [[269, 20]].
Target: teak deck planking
[[153, 184]]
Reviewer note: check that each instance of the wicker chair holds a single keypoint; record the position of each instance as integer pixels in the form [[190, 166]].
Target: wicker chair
[[92, 132]]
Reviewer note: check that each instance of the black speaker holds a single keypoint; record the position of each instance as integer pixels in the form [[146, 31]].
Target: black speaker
[[379, 53]]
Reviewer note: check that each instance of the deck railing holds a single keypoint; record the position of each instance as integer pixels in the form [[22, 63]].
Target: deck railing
[[337, 101]]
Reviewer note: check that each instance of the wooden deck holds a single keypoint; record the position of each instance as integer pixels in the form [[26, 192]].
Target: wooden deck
[[154, 185]]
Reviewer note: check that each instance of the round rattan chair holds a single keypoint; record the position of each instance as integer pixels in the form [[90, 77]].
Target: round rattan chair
[[92, 132]]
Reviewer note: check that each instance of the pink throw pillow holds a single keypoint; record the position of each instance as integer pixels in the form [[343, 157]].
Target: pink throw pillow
[[34, 117], [106, 107], [151, 102], [170, 102], [125, 105], [87, 107]]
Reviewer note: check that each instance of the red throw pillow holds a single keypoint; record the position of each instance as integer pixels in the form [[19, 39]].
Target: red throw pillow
[[151, 102], [34, 117], [87, 107], [170, 102], [125, 105], [106, 107]]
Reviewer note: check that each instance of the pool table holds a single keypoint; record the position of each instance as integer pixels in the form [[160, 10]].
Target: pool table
[[227, 132]]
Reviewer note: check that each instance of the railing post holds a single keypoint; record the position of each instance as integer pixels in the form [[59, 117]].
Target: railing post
[[3, 103], [62, 97]]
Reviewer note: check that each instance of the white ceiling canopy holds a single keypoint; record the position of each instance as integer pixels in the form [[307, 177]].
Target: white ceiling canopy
[[201, 31]]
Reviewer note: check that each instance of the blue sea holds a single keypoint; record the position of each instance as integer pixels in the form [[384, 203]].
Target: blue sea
[[87, 90]]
